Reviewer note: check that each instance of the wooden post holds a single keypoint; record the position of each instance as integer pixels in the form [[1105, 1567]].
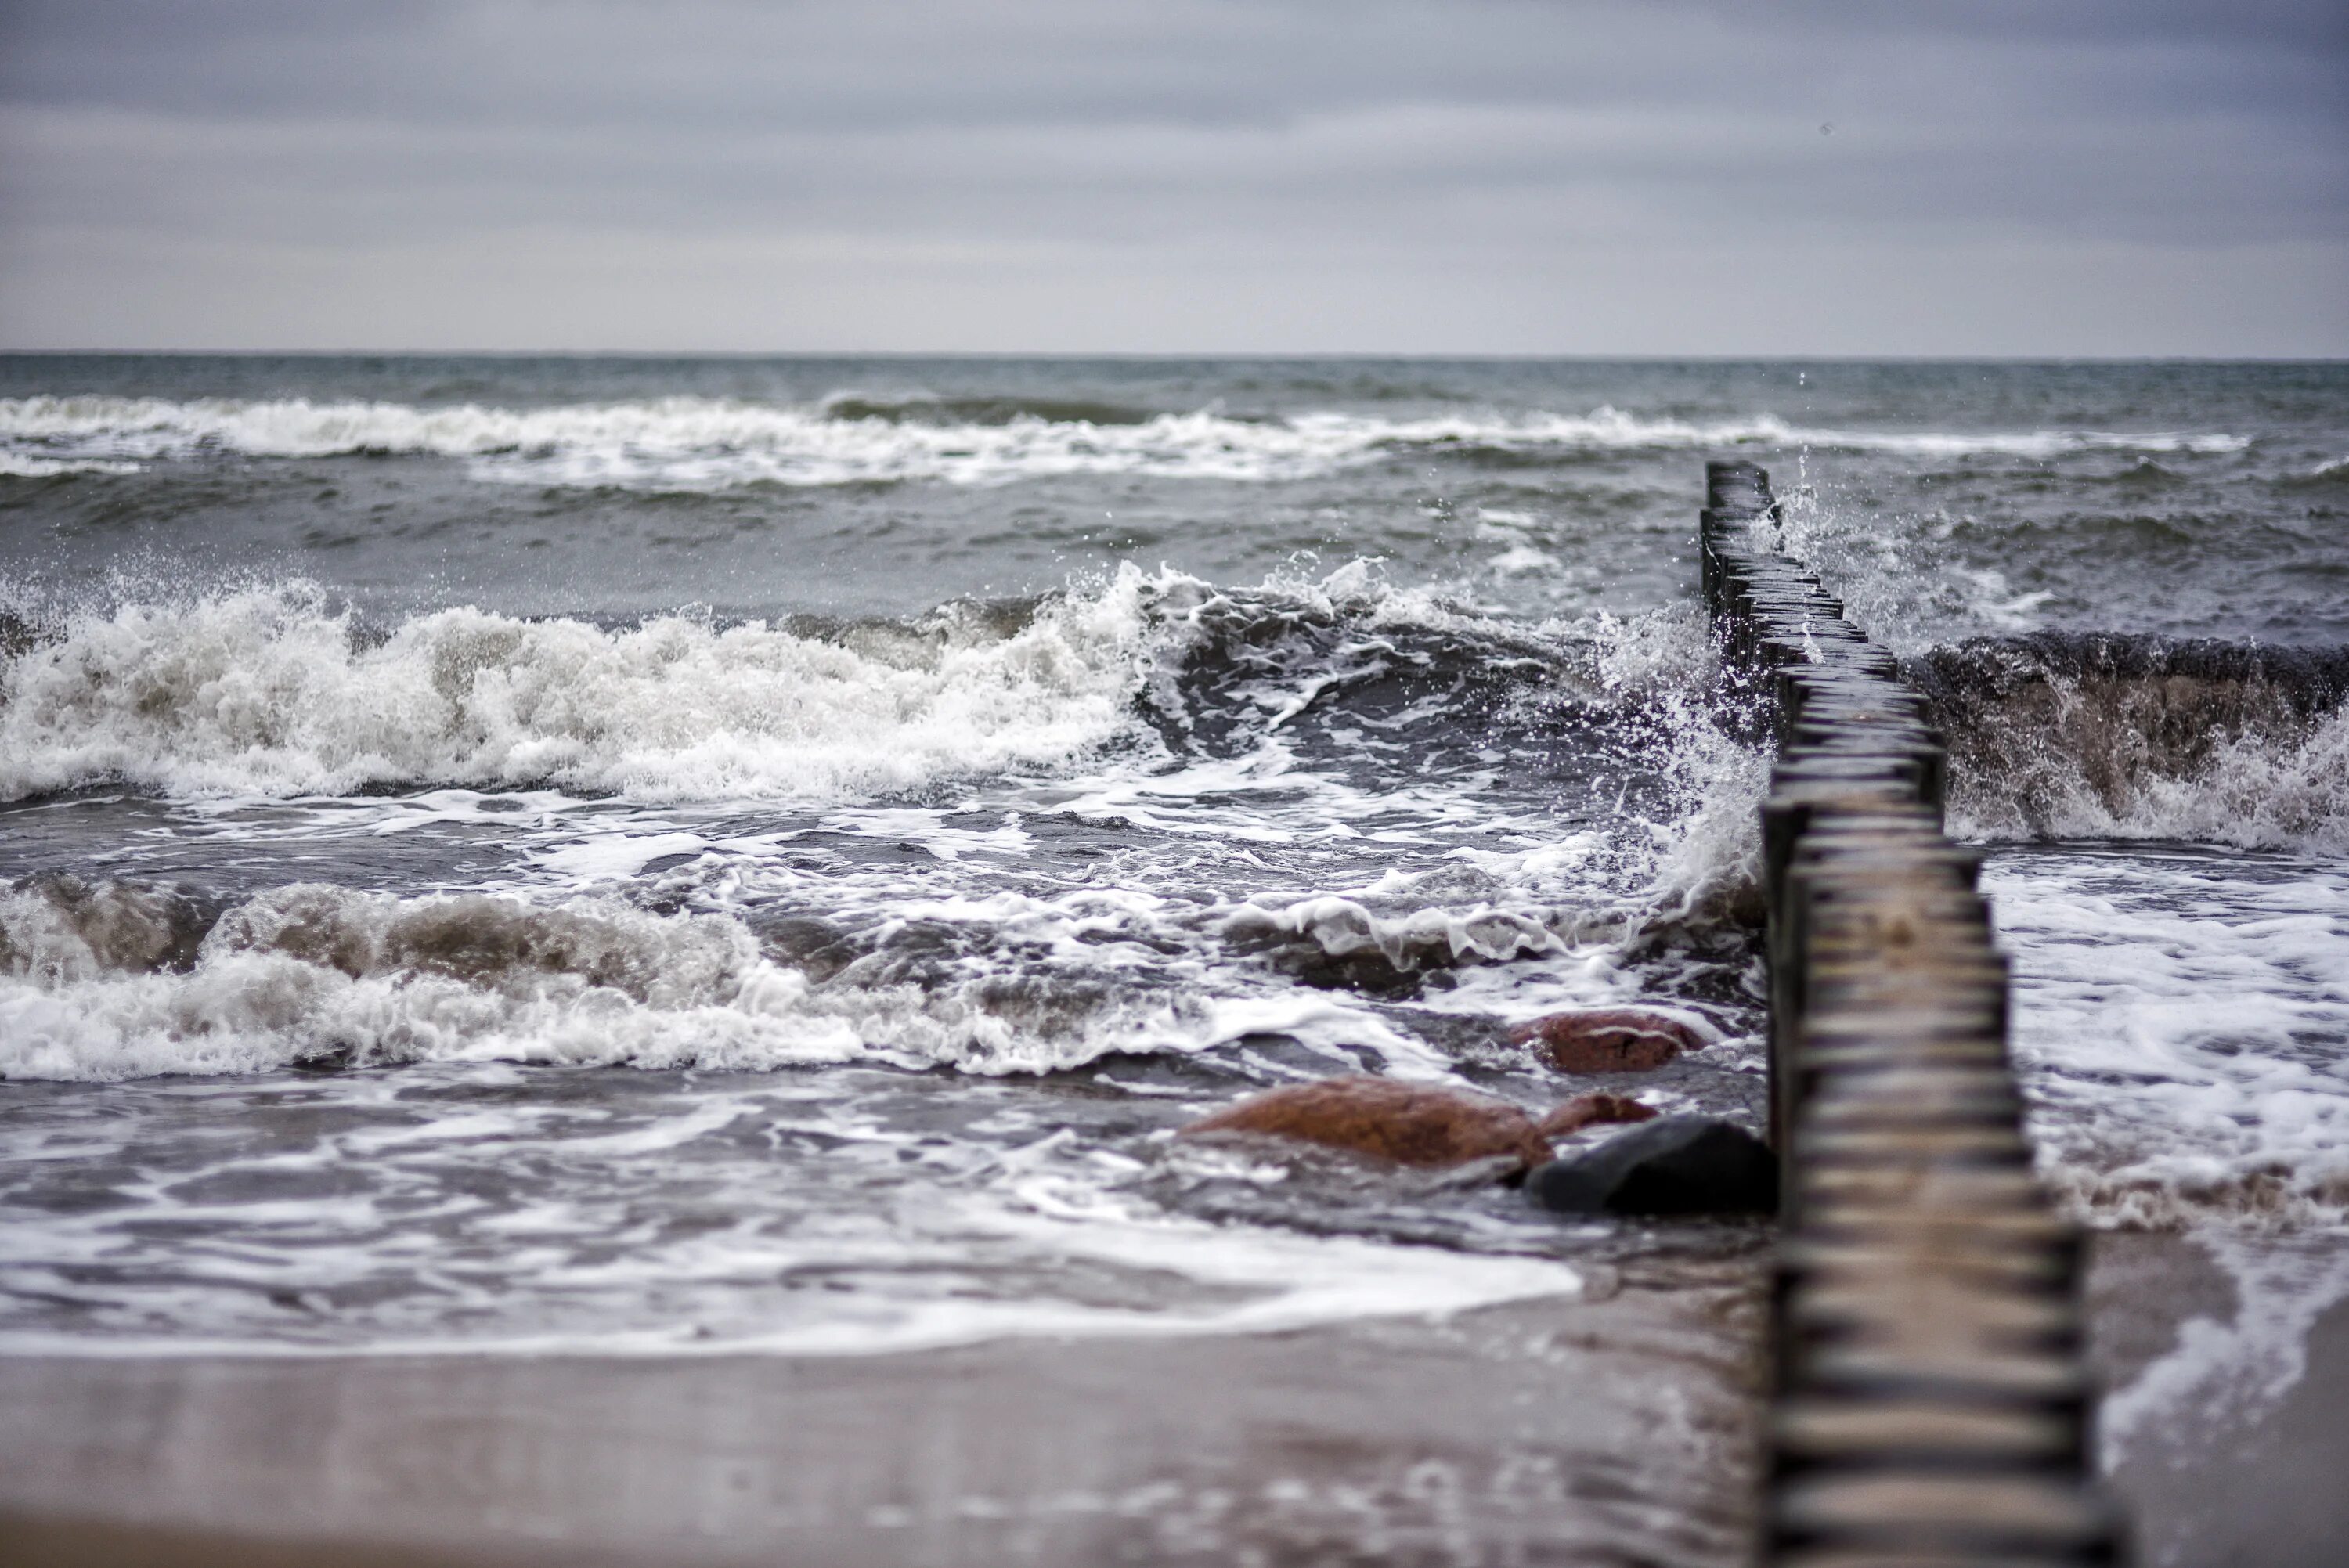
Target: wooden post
[[1932, 1407]]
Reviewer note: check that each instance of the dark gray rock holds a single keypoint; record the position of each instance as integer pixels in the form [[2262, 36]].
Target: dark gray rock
[[1674, 1165]]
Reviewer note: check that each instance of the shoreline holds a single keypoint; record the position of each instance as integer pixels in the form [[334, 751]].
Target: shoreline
[[2225, 1452], [1566, 1428], [1328, 1438]]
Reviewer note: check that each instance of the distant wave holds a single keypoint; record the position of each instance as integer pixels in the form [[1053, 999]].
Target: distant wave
[[2323, 476], [694, 443], [20, 465], [928, 410], [2091, 735]]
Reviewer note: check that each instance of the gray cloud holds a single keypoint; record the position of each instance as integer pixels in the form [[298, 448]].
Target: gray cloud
[[2001, 177]]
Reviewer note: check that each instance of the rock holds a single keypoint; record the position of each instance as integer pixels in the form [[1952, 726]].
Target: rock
[[1411, 1124], [1607, 1039], [1589, 1109], [1673, 1165]]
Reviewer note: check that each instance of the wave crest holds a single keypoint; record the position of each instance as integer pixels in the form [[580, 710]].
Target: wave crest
[[2092, 735], [268, 692], [320, 976], [700, 443]]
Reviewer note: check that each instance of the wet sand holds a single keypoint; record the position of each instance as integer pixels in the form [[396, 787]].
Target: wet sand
[[2232, 1449], [1609, 1431], [1616, 1430]]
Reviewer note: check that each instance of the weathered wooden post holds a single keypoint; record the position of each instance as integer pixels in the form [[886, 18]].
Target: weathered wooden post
[[1931, 1405]]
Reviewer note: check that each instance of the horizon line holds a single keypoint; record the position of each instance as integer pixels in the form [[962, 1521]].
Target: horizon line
[[1173, 355]]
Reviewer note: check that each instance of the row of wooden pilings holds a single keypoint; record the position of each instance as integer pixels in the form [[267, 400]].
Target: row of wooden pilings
[[1931, 1406]]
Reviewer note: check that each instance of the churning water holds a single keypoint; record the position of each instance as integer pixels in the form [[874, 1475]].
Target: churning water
[[643, 855]]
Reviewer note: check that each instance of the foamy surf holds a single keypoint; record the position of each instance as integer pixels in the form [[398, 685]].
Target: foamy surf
[[1154, 700], [1074, 707], [113, 981], [2181, 1022], [22, 464], [769, 919]]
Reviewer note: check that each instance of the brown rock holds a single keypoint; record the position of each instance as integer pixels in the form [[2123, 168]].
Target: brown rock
[[1590, 1110], [1413, 1124], [1607, 1039]]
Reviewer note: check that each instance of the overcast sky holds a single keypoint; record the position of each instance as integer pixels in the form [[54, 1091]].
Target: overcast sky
[[1954, 177]]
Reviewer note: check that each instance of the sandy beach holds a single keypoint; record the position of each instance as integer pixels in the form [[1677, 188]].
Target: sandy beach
[[1568, 1431], [2231, 1450], [1608, 1430]]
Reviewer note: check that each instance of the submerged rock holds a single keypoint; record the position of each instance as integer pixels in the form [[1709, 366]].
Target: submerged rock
[[1673, 1165], [1413, 1124], [1607, 1039], [1590, 1110]]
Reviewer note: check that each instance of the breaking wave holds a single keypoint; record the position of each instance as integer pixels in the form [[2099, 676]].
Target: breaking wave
[[1338, 713], [696, 443], [113, 980], [270, 692], [2330, 475], [2091, 735]]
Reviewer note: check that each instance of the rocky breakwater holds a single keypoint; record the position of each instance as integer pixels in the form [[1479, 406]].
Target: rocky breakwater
[[1930, 1400]]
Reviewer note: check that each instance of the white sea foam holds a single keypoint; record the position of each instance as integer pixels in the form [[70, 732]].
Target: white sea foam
[[2180, 1025], [270, 703], [2226, 1376], [221, 702], [1342, 928], [269, 693], [703, 443], [946, 1244], [1519, 561], [1233, 1280], [1707, 849], [23, 465]]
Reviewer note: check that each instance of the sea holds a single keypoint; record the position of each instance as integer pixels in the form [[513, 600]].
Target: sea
[[730, 855]]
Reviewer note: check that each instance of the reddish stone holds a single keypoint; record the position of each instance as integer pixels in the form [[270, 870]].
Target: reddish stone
[[1413, 1124], [1590, 1110], [1409, 1124], [1607, 1039]]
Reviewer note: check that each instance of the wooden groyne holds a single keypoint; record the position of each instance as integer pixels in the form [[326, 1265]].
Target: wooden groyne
[[1931, 1403]]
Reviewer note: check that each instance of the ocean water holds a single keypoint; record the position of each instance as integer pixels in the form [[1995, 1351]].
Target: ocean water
[[662, 856]]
